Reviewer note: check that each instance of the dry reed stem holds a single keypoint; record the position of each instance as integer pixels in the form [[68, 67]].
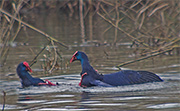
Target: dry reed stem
[[2, 3], [135, 4], [106, 2], [116, 23], [18, 30], [7, 32], [142, 21], [105, 11], [156, 9], [106, 30], [55, 58], [143, 9], [35, 29], [81, 21], [143, 43], [90, 20]]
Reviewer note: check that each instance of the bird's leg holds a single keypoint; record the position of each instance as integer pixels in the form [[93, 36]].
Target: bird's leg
[[50, 83], [80, 84]]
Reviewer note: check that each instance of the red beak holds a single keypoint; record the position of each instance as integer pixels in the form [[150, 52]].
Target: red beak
[[27, 66], [73, 57]]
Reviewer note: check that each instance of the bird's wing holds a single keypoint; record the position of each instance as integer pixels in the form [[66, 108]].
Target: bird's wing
[[99, 83], [125, 77], [137, 77]]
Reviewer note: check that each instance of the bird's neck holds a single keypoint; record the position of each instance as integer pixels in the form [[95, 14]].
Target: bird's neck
[[25, 76], [85, 65]]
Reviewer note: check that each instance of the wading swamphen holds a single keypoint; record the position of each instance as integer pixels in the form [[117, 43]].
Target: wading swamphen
[[90, 77], [27, 79]]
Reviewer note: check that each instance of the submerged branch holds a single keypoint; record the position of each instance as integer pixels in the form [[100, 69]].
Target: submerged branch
[[34, 60], [142, 58], [4, 100]]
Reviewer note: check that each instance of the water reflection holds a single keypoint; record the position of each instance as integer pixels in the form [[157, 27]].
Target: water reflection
[[84, 96]]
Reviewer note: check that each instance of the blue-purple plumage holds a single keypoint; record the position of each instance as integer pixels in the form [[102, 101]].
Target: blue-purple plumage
[[90, 77], [27, 79]]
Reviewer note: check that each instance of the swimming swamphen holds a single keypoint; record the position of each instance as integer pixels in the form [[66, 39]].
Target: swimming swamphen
[[27, 79], [90, 77]]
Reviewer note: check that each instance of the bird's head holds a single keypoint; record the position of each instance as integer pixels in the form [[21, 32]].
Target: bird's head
[[24, 66], [78, 55]]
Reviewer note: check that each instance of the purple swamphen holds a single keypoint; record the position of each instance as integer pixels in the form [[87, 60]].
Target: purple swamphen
[[27, 79], [90, 77]]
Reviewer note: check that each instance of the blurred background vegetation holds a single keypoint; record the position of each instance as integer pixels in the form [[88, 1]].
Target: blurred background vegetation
[[152, 26]]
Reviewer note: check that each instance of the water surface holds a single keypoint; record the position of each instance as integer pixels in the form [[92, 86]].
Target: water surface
[[68, 95]]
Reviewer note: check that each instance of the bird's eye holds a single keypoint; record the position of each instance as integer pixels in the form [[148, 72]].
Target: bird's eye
[[76, 54]]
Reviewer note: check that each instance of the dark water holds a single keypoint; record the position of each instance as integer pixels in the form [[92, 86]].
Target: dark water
[[68, 95]]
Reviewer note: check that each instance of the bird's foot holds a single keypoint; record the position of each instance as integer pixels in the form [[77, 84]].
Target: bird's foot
[[47, 83]]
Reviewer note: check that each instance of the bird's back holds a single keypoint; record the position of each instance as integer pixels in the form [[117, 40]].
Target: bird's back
[[31, 82]]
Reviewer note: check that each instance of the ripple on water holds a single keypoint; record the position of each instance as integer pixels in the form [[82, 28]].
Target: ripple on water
[[31, 101], [127, 88], [73, 81], [10, 107], [57, 101], [70, 83], [76, 88], [64, 109], [63, 96], [107, 104], [138, 98], [163, 106]]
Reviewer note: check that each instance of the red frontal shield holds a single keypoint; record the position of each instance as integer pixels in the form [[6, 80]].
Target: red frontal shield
[[27, 66]]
